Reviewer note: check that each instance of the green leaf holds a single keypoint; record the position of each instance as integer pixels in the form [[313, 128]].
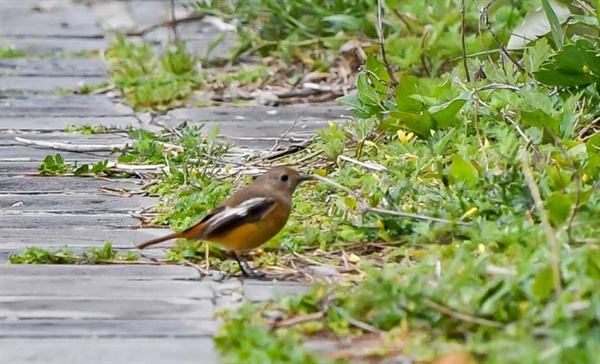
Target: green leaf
[[463, 171], [539, 119], [344, 21], [218, 39], [585, 20], [82, 170], [378, 68], [576, 64], [421, 124], [559, 207], [557, 34], [366, 92], [350, 202], [404, 91], [543, 283], [445, 114], [47, 164], [593, 144]]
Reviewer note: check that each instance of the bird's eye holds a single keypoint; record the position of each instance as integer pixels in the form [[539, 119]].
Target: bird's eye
[[284, 177]]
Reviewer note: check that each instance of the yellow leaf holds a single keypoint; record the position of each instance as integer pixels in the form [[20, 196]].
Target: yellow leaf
[[472, 211], [411, 156], [350, 202], [353, 258], [369, 143], [404, 138], [380, 224], [321, 172]]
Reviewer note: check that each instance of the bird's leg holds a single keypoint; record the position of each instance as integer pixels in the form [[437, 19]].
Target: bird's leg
[[237, 259], [250, 272]]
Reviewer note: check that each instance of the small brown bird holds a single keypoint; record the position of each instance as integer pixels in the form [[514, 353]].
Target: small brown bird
[[249, 218]]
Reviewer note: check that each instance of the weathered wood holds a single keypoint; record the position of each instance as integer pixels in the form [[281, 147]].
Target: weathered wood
[[75, 237], [75, 204], [59, 106], [54, 67], [49, 122], [79, 185], [124, 308], [66, 328], [109, 350], [64, 221], [140, 272]]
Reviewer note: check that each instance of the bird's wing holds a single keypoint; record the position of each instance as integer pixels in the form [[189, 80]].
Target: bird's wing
[[253, 209]]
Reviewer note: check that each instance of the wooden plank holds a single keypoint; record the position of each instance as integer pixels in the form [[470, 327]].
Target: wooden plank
[[81, 185], [75, 204], [37, 328], [140, 272], [124, 308], [109, 350]]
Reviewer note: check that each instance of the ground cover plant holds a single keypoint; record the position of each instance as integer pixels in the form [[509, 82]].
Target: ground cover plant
[[498, 159], [461, 218]]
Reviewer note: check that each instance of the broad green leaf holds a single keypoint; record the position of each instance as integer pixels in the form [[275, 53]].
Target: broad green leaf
[[559, 207], [82, 170], [543, 283], [445, 114], [404, 91], [462, 171], [377, 67], [49, 161], [576, 64], [366, 92], [539, 119], [421, 123]]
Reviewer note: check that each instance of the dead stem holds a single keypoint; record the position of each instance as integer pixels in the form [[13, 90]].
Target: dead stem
[[299, 319], [461, 316]]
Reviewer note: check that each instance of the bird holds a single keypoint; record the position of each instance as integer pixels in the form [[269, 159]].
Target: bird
[[249, 218]]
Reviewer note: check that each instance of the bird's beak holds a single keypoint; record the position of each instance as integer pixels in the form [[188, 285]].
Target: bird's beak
[[305, 178]]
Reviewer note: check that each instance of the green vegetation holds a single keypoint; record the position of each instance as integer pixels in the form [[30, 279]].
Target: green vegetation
[[149, 81], [10, 52], [56, 165], [66, 256], [466, 214], [87, 129], [510, 161]]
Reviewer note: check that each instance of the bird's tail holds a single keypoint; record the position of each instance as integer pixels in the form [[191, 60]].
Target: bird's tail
[[159, 240]]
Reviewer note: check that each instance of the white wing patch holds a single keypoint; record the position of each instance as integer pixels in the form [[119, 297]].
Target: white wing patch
[[240, 210]]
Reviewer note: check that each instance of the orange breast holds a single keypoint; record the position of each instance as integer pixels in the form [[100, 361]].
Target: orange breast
[[252, 235]]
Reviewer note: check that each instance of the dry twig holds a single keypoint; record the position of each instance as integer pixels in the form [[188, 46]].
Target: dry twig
[[72, 147], [461, 316]]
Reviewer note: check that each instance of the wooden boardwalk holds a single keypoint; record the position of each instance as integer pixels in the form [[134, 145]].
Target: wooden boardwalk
[[99, 313]]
